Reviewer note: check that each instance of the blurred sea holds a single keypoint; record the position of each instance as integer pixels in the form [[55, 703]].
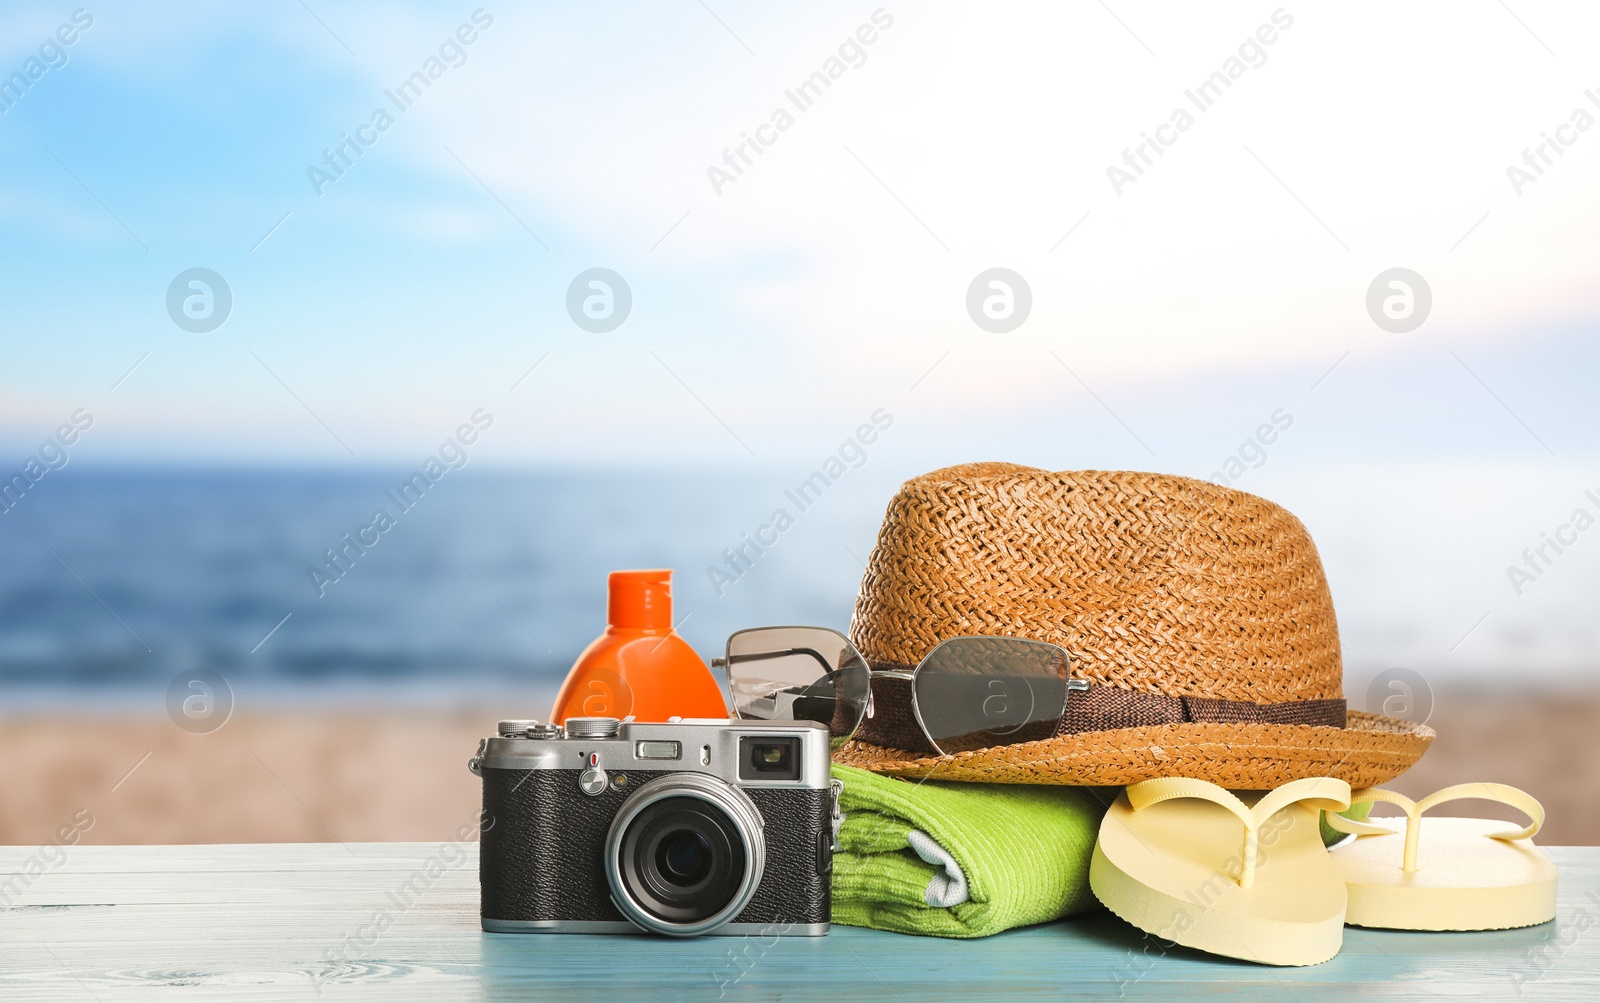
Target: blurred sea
[[490, 584], [113, 582]]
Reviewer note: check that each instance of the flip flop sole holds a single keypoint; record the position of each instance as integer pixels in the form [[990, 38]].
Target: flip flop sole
[[1464, 879], [1172, 871]]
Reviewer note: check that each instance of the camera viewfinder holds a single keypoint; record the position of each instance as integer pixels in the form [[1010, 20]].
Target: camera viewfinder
[[763, 758]]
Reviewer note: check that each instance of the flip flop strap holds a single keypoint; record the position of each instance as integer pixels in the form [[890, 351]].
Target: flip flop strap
[[1503, 793], [1326, 793]]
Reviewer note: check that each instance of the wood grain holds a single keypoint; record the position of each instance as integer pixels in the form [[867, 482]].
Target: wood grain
[[295, 922]]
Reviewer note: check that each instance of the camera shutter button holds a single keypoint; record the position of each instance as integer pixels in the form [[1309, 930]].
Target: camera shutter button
[[593, 780]]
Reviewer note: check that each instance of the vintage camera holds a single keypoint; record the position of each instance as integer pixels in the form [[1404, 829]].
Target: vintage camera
[[682, 828]]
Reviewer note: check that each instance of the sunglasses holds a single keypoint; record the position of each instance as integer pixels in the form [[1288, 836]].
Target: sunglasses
[[968, 693]]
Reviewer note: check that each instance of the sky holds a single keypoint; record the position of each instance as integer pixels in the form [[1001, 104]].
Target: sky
[[772, 312], [1173, 312]]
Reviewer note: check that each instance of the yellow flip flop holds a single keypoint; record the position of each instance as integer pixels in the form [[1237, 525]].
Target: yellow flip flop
[[1471, 874], [1171, 860]]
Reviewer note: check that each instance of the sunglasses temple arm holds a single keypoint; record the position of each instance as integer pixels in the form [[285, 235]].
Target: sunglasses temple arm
[[758, 656]]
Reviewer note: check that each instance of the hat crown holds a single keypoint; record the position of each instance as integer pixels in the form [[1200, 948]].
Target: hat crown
[[1150, 581]]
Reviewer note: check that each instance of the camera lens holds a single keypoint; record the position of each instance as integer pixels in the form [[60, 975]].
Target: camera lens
[[684, 857], [684, 854]]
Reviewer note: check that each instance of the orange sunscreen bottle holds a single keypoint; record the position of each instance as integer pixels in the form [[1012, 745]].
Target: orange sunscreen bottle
[[639, 666]]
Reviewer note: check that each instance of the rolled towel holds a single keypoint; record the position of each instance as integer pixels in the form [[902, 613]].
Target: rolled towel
[[961, 859]]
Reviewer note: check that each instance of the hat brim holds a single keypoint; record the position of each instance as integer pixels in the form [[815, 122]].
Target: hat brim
[[1370, 750]]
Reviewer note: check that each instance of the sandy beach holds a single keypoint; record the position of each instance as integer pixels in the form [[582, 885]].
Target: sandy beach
[[403, 775]]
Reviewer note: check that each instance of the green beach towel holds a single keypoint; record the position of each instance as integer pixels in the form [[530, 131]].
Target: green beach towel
[[961, 860]]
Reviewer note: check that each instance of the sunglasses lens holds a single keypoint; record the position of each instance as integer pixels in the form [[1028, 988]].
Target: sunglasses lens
[[977, 692], [798, 674]]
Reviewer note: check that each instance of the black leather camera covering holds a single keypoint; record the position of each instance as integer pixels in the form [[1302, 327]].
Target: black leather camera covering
[[539, 856]]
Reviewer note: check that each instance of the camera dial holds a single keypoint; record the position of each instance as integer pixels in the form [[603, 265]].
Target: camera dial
[[593, 727]]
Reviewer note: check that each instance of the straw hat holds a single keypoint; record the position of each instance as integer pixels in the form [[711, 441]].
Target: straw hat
[[1199, 615]]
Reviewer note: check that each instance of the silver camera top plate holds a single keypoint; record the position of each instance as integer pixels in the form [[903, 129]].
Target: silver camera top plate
[[705, 745]]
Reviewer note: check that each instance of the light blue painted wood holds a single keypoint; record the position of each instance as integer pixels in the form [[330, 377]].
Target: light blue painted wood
[[329, 922]]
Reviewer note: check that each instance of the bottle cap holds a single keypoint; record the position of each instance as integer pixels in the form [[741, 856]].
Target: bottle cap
[[640, 599]]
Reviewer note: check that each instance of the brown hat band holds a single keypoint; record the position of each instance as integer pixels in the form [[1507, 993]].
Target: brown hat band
[[1099, 708]]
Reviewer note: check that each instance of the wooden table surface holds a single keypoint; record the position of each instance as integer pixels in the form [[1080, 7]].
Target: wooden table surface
[[333, 922]]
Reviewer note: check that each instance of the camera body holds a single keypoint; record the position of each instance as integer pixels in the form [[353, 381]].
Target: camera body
[[682, 828]]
